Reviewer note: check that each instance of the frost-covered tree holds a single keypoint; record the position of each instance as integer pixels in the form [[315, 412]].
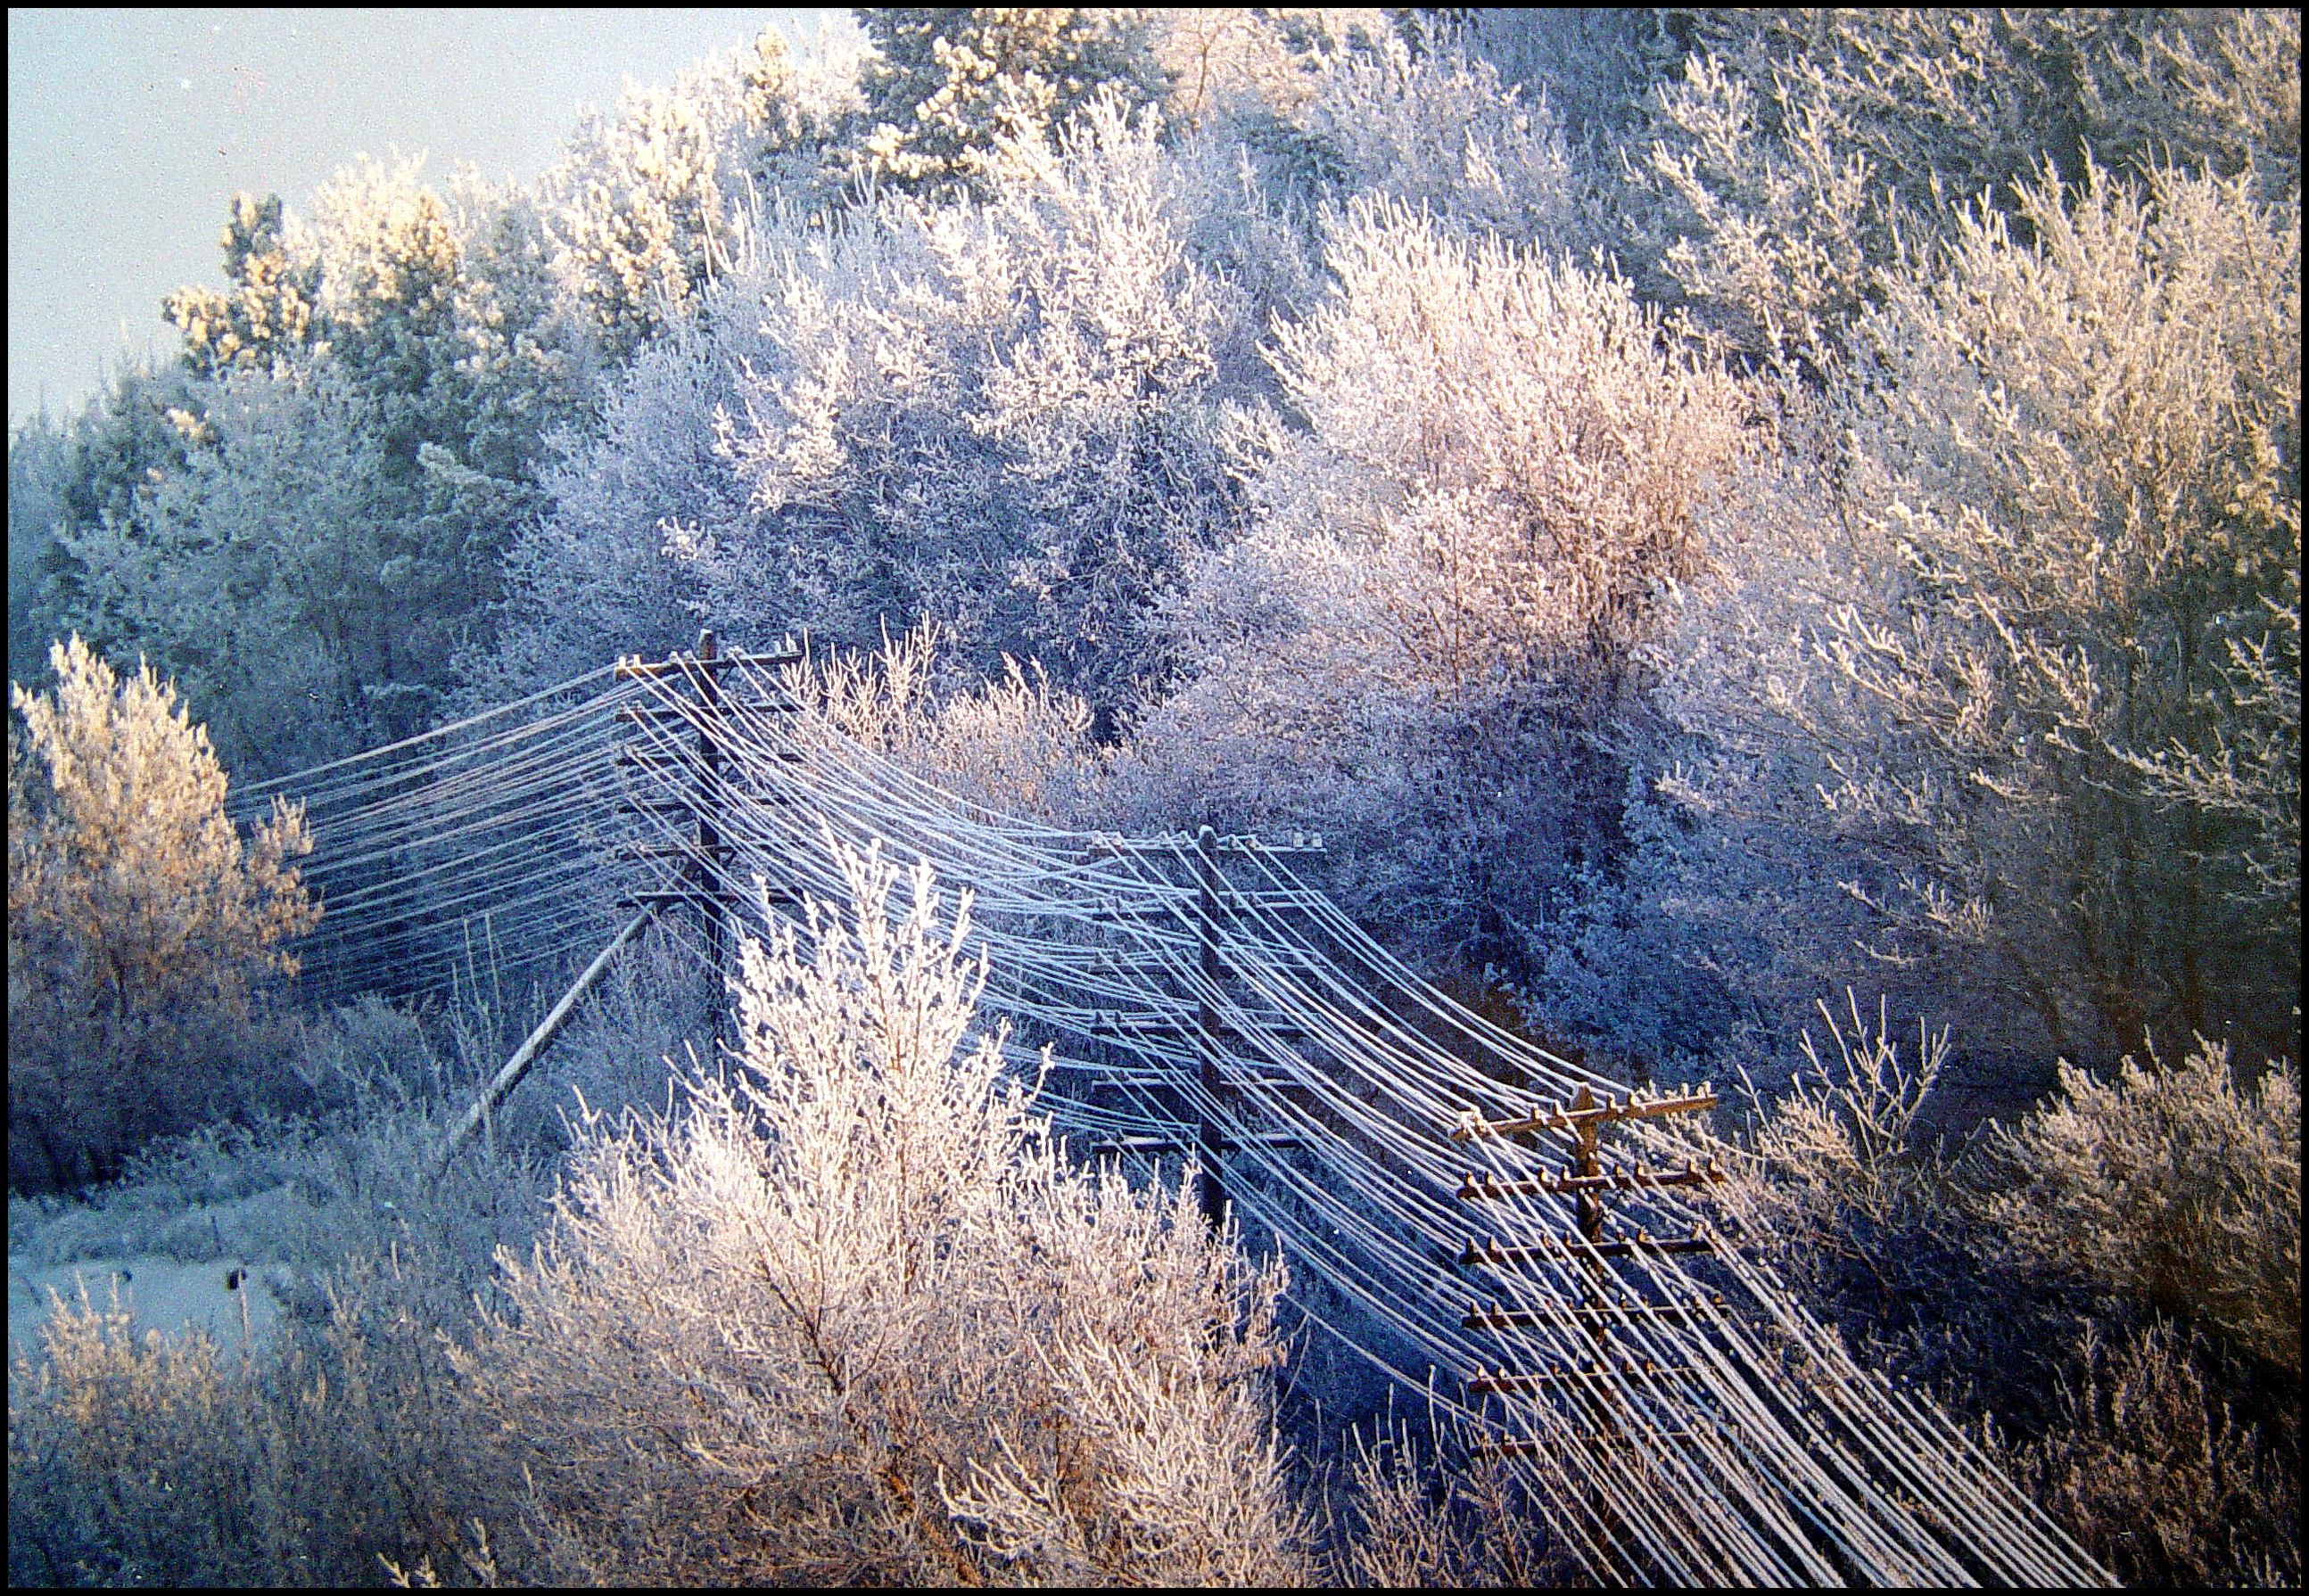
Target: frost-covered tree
[[280, 577], [851, 1317], [592, 577], [998, 415], [39, 467], [2005, 684], [67, 478], [649, 205], [1798, 152], [137, 914], [951, 87], [1432, 615]]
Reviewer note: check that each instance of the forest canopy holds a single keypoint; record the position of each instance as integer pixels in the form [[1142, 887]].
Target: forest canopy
[[1661, 455]]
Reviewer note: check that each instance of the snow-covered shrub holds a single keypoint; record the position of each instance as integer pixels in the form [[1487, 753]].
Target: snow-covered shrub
[[1417, 642], [2025, 1278], [314, 1451], [2179, 1186], [1420, 1522], [995, 415], [1014, 745], [1997, 678], [850, 1314], [140, 922]]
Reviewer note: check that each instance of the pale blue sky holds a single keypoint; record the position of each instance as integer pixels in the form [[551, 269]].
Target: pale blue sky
[[128, 130]]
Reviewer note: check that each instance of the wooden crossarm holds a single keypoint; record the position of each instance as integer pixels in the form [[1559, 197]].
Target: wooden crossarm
[[1490, 1253], [634, 667], [1557, 1118], [1476, 1186]]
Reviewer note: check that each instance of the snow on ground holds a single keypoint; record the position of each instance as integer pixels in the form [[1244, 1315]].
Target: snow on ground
[[170, 1265], [164, 1294]]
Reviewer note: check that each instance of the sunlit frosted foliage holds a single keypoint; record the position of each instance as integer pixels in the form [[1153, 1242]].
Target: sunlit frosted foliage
[[1433, 610], [995, 413], [118, 843], [2018, 674], [648, 205], [1228, 64], [950, 86], [850, 1317], [136, 913], [269, 315]]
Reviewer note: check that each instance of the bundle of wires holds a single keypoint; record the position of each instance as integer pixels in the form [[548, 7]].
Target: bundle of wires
[[1677, 1416]]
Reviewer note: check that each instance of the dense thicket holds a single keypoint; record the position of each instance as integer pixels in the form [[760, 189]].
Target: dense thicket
[[1671, 457], [1701, 509]]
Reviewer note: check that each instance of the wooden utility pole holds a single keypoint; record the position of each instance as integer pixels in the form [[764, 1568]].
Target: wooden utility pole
[[1584, 1119], [701, 882], [1207, 1021], [705, 869]]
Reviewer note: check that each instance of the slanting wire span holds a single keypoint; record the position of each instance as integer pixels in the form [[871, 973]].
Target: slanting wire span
[[1678, 1415]]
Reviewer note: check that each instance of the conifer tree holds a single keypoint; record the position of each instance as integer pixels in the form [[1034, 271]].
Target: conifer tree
[[951, 82], [139, 921]]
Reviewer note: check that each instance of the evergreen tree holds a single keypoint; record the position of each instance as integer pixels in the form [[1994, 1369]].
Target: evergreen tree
[[650, 205], [950, 83], [268, 316], [138, 917]]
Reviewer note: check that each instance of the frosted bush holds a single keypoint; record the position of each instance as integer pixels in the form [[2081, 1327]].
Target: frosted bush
[[1837, 1176], [850, 1317], [591, 579], [1431, 617], [2178, 1186], [2000, 672]]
